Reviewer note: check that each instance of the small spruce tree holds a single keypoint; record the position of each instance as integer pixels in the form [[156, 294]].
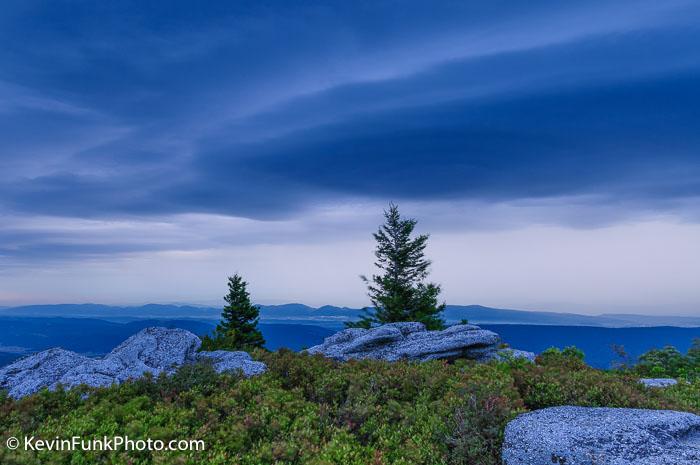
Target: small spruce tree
[[237, 329], [399, 293]]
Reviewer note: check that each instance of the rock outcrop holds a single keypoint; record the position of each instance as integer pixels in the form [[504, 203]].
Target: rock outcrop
[[29, 374], [658, 382], [152, 350], [411, 341], [602, 436]]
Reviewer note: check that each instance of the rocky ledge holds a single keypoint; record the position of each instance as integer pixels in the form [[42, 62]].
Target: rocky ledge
[[152, 350], [411, 341], [602, 436]]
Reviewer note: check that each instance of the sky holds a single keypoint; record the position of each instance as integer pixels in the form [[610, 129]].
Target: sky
[[551, 149]]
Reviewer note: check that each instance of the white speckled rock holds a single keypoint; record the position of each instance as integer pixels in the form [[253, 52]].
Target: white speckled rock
[[411, 341], [224, 361], [658, 382], [29, 374], [152, 350], [602, 436]]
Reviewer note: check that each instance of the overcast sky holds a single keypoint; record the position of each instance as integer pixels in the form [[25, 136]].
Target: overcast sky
[[552, 150]]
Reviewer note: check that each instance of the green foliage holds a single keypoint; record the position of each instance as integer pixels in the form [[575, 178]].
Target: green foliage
[[314, 411], [238, 329], [573, 353], [686, 394], [4, 397], [669, 362], [399, 293], [563, 379]]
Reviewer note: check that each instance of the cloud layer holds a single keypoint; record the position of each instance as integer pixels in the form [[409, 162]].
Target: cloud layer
[[144, 127]]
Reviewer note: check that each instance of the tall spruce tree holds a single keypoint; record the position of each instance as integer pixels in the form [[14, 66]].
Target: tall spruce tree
[[399, 293], [238, 328]]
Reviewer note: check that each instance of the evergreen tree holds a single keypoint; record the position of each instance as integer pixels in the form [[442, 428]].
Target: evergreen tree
[[399, 293], [237, 329]]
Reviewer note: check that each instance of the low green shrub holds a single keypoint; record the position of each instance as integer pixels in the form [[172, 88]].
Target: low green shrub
[[311, 410]]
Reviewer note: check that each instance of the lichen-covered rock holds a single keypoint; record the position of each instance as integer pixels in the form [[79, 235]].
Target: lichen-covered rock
[[44, 369], [225, 361], [602, 436], [658, 382], [152, 350], [410, 341]]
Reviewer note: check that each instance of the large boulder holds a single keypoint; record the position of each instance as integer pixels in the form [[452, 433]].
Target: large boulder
[[602, 436], [152, 350], [410, 341]]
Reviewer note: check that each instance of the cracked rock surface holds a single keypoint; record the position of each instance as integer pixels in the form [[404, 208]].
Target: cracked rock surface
[[602, 436], [411, 341]]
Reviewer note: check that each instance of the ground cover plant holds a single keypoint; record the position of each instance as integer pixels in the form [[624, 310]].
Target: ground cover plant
[[311, 410]]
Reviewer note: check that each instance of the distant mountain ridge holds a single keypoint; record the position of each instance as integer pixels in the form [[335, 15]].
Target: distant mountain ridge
[[333, 317], [480, 314], [92, 329], [110, 312]]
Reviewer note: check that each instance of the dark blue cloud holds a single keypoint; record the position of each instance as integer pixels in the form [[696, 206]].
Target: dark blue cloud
[[630, 138], [262, 109]]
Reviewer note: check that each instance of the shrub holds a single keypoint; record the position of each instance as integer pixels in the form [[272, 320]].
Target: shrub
[[669, 362], [314, 411], [559, 379]]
